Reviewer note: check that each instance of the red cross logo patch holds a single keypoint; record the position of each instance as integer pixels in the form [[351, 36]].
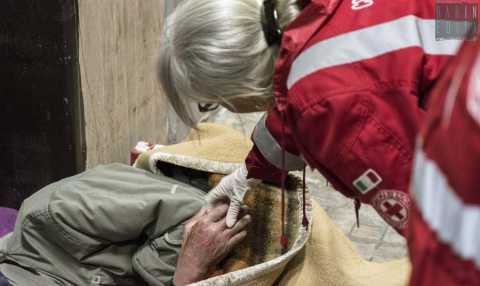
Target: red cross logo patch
[[393, 206]]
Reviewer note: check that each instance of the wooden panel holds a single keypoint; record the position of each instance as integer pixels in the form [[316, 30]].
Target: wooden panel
[[119, 40]]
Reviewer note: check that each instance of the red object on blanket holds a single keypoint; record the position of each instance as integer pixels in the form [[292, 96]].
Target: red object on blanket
[[140, 148]]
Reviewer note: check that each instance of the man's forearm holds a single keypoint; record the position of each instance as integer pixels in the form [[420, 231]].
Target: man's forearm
[[187, 272]]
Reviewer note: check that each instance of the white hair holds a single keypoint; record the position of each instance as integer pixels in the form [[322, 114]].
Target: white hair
[[215, 50]]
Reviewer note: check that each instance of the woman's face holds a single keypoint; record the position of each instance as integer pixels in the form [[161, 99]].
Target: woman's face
[[247, 104]]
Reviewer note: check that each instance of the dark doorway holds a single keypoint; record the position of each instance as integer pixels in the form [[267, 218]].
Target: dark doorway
[[41, 121]]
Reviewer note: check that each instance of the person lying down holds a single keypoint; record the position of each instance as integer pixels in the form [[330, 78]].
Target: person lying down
[[120, 225], [124, 227]]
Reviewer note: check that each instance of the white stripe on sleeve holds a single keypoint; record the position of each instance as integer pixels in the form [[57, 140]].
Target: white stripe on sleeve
[[455, 222], [367, 43]]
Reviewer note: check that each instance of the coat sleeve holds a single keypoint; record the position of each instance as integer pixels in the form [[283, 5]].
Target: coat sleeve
[[365, 140], [113, 205], [444, 227], [265, 159], [114, 216]]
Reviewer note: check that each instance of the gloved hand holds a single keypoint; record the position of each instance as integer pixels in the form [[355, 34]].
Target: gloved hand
[[234, 187]]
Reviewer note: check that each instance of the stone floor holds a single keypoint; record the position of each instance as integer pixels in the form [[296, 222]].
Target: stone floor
[[375, 240]]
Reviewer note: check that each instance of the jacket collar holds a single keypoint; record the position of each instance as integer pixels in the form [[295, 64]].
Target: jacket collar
[[310, 20], [296, 35]]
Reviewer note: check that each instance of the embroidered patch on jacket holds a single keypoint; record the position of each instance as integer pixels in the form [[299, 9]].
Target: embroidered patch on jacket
[[393, 206], [361, 4], [367, 181]]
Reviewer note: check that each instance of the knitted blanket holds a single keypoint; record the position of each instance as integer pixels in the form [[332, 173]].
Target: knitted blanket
[[262, 243]]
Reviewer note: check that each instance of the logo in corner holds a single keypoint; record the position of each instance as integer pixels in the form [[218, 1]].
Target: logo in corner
[[393, 206], [361, 4]]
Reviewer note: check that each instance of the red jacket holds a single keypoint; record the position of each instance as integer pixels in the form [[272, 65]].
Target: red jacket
[[348, 84], [444, 228]]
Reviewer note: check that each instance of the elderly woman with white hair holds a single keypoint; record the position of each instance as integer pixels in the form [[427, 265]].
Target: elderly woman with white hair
[[343, 82]]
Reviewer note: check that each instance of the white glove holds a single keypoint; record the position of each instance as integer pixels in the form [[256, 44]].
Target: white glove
[[233, 187]]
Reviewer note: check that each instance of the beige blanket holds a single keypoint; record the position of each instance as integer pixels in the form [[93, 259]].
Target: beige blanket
[[326, 257], [330, 258]]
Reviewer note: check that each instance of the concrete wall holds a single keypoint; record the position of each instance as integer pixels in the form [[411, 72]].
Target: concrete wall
[[118, 41]]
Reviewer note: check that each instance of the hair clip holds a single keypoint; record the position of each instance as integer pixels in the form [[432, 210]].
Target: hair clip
[[271, 27]]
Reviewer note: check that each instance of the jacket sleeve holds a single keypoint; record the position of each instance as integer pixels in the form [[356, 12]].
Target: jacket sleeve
[[365, 140], [265, 159], [105, 215], [112, 205]]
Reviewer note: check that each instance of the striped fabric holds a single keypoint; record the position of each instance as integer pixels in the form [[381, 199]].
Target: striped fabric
[[444, 236], [262, 243], [271, 149], [456, 223], [406, 32]]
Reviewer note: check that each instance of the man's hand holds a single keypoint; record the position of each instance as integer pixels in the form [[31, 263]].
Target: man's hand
[[206, 242]]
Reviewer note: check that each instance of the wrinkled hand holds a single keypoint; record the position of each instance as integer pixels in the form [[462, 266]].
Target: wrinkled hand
[[207, 240], [232, 187]]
